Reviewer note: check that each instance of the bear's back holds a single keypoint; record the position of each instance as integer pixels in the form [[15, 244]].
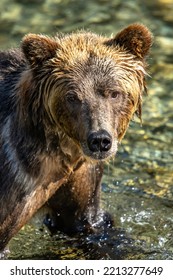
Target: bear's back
[[12, 63]]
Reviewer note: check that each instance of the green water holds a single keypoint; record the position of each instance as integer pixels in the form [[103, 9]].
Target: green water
[[138, 185]]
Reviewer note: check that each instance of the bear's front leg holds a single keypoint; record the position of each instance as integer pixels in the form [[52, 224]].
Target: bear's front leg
[[75, 205], [23, 211]]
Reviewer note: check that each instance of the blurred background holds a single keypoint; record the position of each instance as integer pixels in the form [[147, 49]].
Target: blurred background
[[137, 186]]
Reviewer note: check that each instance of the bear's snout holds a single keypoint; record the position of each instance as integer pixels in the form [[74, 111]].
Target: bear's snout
[[100, 141]]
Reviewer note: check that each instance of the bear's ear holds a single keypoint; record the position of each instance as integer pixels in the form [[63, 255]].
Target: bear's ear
[[38, 48], [135, 38]]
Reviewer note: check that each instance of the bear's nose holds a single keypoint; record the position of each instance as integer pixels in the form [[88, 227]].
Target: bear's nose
[[100, 141]]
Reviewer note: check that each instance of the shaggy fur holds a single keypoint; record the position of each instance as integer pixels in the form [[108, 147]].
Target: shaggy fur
[[65, 104]]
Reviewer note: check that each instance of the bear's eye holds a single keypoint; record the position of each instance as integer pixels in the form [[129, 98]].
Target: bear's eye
[[114, 94], [72, 97]]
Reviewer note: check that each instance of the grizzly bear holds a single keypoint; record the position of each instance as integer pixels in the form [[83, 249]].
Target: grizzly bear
[[65, 104]]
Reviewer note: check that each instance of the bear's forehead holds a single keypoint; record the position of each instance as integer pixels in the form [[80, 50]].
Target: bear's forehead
[[90, 53], [86, 59], [84, 45], [94, 60]]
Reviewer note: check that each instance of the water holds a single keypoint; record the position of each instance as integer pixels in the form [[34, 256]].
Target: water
[[138, 185]]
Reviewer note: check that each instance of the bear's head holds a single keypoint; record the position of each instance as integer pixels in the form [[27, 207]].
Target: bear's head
[[89, 86]]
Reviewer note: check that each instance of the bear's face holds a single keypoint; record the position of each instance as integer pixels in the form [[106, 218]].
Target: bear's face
[[91, 85], [93, 105]]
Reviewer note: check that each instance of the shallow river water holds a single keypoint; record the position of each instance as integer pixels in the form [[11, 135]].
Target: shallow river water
[[137, 186]]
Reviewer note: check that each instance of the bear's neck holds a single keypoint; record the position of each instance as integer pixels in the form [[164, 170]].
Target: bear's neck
[[40, 147]]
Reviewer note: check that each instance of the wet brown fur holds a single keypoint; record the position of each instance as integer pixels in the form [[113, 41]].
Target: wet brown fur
[[54, 93]]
